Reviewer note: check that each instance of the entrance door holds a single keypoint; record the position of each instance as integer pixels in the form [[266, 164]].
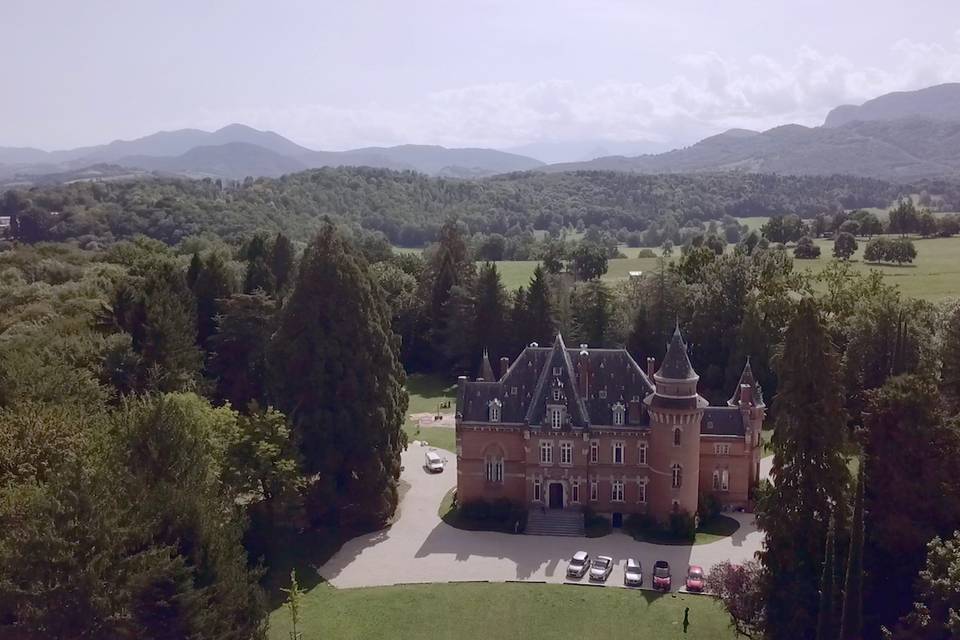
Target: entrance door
[[556, 495]]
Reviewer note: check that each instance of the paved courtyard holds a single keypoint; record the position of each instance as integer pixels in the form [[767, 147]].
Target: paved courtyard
[[419, 547]]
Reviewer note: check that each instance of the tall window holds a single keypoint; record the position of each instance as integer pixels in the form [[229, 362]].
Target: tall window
[[594, 491], [642, 457], [616, 491], [722, 449], [721, 480], [556, 394], [676, 437], [495, 411], [575, 491], [546, 452], [594, 452], [566, 453], [617, 453], [556, 418], [494, 469], [618, 411], [642, 491], [676, 473], [536, 489]]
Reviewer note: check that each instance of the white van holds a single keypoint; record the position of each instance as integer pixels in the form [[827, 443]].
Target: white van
[[433, 462]]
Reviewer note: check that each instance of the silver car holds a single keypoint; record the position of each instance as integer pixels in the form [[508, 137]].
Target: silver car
[[633, 573], [600, 568], [578, 564]]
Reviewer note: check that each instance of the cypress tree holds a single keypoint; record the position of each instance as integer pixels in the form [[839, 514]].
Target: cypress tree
[[826, 615], [809, 474], [950, 375], [851, 620], [540, 320], [334, 371]]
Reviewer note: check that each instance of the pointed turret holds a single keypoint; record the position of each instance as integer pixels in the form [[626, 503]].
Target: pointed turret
[[747, 379], [676, 364], [486, 371]]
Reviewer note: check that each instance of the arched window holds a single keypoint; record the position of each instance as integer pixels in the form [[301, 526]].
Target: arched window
[[676, 437], [676, 473], [495, 411], [494, 467]]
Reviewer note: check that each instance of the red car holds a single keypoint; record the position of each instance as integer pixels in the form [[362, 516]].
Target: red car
[[661, 575], [695, 579]]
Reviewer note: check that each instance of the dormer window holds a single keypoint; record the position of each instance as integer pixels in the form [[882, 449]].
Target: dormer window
[[495, 411], [602, 394], [556, 394], [618, 413], [557, 371], [556, 418]]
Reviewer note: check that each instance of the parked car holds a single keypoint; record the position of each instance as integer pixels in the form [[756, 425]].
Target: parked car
[[578, 564], [695, 579], [633, 573], [433, 462], [600, 568], [661, 575]]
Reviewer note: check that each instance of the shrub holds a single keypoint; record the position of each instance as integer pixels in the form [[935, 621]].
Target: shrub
[[500, 510], [639, 523], [806, 249], [898, 250], [709, 507], [476, 510], [683, 525], [646, 253]]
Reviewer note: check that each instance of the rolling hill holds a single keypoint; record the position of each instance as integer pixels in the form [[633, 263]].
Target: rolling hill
[[939, 102]]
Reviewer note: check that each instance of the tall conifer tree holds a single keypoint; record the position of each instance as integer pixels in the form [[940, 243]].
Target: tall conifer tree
[[540, 320], [950, 375], [334, 370], [826, 614], [851, 621], [809, 474], [490, 314]]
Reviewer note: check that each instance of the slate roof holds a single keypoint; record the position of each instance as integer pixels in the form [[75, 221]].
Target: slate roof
[[747, 378], [527, 387], [486, 371], [722, 421], [676, 363]]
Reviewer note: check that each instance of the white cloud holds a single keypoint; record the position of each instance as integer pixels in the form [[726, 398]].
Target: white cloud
[[710, 94]]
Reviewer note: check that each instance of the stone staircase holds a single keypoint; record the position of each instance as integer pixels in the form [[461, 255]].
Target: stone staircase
[[554, 522]]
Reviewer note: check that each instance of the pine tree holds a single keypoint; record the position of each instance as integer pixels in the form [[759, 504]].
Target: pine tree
[[809, 474], [540, 321], [238, 348], [519, 338], [213, 281], [592, 314], [950, 356], [196, 264], [490, 315], [259, 277], [281, 264], [826, 614], [334, 371], [851, 620], [449, 268]]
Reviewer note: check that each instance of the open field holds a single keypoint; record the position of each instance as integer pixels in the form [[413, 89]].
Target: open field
[[505, 611], [426, 394]]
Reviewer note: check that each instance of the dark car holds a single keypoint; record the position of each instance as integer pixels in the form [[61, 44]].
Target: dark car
[[695, 579], [661, 575]]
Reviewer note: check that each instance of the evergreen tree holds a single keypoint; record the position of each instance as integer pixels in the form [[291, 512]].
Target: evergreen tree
[[808, 476], [196, 264], [539, 317], [826, 613], [518, 332], [913, 462], [592, 313], [281, 264], [259, 277], [334, 371], [638, 340], [449, 268], [936, 611], [490, 315], [950, 356], [213, 281], [238, 348], [851, 620]]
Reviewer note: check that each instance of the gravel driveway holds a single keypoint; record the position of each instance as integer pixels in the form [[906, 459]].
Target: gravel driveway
[[419, 547]]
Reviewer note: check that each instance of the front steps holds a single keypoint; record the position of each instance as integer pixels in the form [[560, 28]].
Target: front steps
[[554, 522]]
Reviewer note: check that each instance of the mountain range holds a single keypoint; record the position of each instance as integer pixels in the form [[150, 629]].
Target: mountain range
[[897, 136]]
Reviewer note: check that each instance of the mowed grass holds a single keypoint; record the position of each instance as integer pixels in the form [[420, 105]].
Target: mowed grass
[[427, 393], [503, 611]]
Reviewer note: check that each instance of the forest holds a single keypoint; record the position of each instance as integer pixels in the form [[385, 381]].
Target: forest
[[409, 208]]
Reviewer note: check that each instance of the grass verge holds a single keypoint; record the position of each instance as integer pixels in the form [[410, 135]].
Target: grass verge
[[714, 529]]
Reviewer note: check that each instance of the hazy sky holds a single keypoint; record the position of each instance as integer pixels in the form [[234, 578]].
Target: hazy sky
[[333, 75]]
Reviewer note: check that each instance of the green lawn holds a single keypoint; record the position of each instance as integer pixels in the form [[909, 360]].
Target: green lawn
[[426, 394], [712, 530], [503, 611]]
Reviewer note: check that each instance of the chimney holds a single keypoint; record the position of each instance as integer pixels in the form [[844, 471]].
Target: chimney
[[583, 369], [651, 366], [634, 412], [504, 365], [746, 395]]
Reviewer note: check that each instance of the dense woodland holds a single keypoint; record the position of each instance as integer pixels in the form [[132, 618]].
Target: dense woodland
[[175, 414], [409, 208]]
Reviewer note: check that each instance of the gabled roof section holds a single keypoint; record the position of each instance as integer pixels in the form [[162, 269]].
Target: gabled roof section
[[747, 378], [722, 421], [676, 363], [558, 369]]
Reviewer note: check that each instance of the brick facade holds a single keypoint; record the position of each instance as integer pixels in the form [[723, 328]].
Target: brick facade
[[573, 428]]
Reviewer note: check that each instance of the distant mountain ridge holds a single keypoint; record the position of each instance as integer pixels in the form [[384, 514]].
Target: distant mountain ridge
[[939, 102], [237, 151]]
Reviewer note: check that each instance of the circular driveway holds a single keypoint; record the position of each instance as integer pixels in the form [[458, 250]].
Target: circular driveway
[[419, 547]]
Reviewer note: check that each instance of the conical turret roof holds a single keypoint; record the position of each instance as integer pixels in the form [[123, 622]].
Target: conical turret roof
[[676, 364], [486, 371], [747, 378]]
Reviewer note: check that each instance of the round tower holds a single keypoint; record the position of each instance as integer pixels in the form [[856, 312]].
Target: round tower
[[675, 410]]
